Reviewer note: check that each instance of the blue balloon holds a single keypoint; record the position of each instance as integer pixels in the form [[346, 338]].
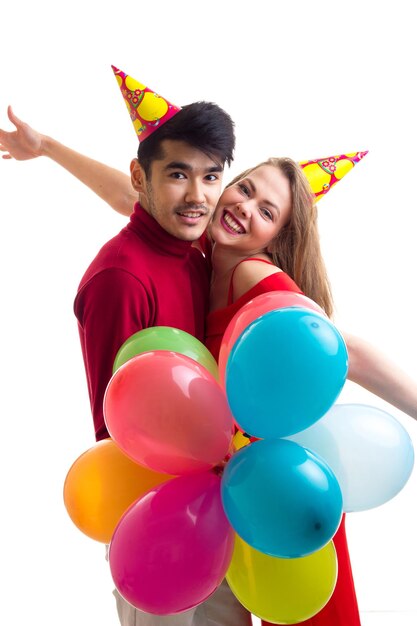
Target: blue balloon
[[285, 371], [369, 451], [281, 499]]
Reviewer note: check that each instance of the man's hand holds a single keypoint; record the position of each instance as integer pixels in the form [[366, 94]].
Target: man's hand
[[23, 143], [112, 186]]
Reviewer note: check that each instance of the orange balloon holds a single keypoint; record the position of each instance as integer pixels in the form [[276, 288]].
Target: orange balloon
[[101, 484]]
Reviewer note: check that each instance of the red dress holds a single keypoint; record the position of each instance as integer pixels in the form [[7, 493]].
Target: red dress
[[342, 608]]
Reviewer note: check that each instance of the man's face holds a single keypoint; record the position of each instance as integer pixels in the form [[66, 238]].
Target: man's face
[[182, 189]]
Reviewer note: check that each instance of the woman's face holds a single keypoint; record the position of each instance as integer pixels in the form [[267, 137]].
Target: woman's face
[[250, 213]]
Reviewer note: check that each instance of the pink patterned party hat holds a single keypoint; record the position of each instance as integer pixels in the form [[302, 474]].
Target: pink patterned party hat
[[322, 174], [147, 110]]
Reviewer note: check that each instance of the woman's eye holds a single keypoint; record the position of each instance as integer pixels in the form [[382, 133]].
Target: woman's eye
[[244, 189], [267, 213]]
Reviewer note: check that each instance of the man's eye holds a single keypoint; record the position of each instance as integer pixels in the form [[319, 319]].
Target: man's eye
[[212, 177], [177, 175]]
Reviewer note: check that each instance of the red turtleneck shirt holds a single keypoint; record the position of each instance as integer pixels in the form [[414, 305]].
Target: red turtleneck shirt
[[142, 277]]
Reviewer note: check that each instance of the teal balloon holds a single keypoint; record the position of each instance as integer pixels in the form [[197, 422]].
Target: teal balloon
[[166, 338], [281, 498], [285, 371], [369, 451]]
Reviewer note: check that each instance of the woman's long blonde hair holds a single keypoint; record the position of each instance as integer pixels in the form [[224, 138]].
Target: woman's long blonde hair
[[296, 248]]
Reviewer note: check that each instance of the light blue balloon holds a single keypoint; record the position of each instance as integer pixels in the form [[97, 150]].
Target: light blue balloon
[[285, 371], [281, 499], [369, 451]]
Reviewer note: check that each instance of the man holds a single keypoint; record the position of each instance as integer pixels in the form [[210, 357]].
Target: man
[[150, 274]]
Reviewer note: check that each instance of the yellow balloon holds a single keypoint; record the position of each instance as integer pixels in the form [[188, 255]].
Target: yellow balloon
[[282, 591], [101, 484], [240, 440]]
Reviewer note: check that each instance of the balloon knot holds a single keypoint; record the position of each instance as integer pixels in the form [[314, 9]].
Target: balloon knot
[[219, 468]]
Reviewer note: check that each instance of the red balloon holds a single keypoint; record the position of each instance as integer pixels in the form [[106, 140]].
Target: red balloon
[[256, 308], [168, 413]]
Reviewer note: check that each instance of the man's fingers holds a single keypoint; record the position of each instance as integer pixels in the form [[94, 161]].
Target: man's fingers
[[12, 117], [3, 149]]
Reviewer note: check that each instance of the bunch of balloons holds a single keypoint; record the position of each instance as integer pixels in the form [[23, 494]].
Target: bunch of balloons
[[283, 365], [182, 507]]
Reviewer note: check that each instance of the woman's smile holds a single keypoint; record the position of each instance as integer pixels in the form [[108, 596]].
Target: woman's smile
[[231, 224]]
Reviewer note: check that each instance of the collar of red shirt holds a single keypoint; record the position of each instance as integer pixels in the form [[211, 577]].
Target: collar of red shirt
[[148, 229]]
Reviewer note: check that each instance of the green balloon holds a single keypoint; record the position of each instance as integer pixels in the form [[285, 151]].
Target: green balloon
[[166, 338]]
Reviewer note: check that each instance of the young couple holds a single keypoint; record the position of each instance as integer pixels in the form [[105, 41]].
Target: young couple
[[261, 234]]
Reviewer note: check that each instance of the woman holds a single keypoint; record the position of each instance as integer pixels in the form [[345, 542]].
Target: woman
[[265, 238], [266, 222]]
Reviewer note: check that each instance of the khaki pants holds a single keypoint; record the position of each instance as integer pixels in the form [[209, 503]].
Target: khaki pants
[[221, 609]]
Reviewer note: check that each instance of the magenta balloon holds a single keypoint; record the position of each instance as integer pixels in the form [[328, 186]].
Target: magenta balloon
[[256, 308], [172, 548], [168, 413]]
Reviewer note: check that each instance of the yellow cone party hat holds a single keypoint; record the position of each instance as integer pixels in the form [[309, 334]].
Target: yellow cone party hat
[[147, 110], [322, 174]]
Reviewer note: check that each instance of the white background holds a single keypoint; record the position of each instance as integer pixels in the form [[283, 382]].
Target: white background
[[303, 79]]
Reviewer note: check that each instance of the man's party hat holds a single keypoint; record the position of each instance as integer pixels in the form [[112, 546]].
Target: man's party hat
[[147, 110]]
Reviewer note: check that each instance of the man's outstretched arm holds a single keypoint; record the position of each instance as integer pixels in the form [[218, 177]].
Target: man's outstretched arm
[[25, 143]]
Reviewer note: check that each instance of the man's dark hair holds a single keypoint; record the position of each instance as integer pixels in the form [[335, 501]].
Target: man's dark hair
[[203, 125]]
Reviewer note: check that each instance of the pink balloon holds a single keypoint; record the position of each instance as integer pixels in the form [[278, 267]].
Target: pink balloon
[[172, 548], [252, 310], [168, 413]]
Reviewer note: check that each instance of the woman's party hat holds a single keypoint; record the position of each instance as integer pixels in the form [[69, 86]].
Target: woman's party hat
[[322, 174]]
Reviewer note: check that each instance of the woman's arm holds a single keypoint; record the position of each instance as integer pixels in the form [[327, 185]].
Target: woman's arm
[[368, 366], [110, 184], [373, 370]]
